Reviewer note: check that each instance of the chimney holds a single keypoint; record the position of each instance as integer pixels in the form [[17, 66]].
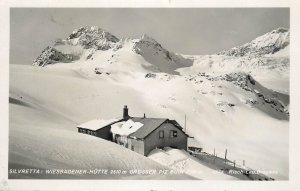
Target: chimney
[[144, 115], [125, 112]]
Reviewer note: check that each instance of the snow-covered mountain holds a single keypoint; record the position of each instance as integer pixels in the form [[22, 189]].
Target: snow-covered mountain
[[267, 55], [86, 42], [268, 43], [266, 58], [91, 37], [71, 48], [237, 101], [51, 55], [155, 54]]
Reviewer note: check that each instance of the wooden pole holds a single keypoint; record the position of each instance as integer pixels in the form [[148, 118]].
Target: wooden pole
[[225, 155], [184, 122], [234, 164], [214, 151]]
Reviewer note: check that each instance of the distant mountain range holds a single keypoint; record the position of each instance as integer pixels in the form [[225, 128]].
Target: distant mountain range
[[82, 43]]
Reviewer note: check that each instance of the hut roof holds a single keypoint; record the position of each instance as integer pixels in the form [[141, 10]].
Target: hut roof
[[134, 127], [97, 124], [149, 125], [126, 127]]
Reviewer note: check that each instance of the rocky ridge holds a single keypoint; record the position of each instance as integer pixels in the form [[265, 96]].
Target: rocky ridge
[[268, 43], [51, 56], [92, 37]]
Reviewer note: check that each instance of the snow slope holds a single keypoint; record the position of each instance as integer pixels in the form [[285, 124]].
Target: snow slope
[[64, 91], [266, 58], [181, 161], [43, 136], [225, 107], [271, 70]]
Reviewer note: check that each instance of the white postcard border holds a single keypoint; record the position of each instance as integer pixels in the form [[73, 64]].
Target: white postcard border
[[294, 180]]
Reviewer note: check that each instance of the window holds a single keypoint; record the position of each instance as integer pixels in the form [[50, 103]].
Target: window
[[173, 133], [161, 134], [132, 147]]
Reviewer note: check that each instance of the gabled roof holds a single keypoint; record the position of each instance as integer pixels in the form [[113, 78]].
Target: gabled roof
[[125, 128], [150, 124], [98, 124], [174, 122], [134, 127]]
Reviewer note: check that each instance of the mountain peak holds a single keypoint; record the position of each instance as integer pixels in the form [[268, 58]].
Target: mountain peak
[[92, 30], [280, 30], [147, 38], [268, 43], [51, 55], [92, 37]]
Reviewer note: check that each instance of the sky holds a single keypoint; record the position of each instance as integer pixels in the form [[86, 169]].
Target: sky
[[193, 31]]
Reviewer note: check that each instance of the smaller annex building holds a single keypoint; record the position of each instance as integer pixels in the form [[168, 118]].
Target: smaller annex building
[[139, 134]]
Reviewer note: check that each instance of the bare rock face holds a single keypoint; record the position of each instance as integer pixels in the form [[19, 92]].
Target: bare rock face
[[92, 37], [51, 56], [248, 83], [268, 43]]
